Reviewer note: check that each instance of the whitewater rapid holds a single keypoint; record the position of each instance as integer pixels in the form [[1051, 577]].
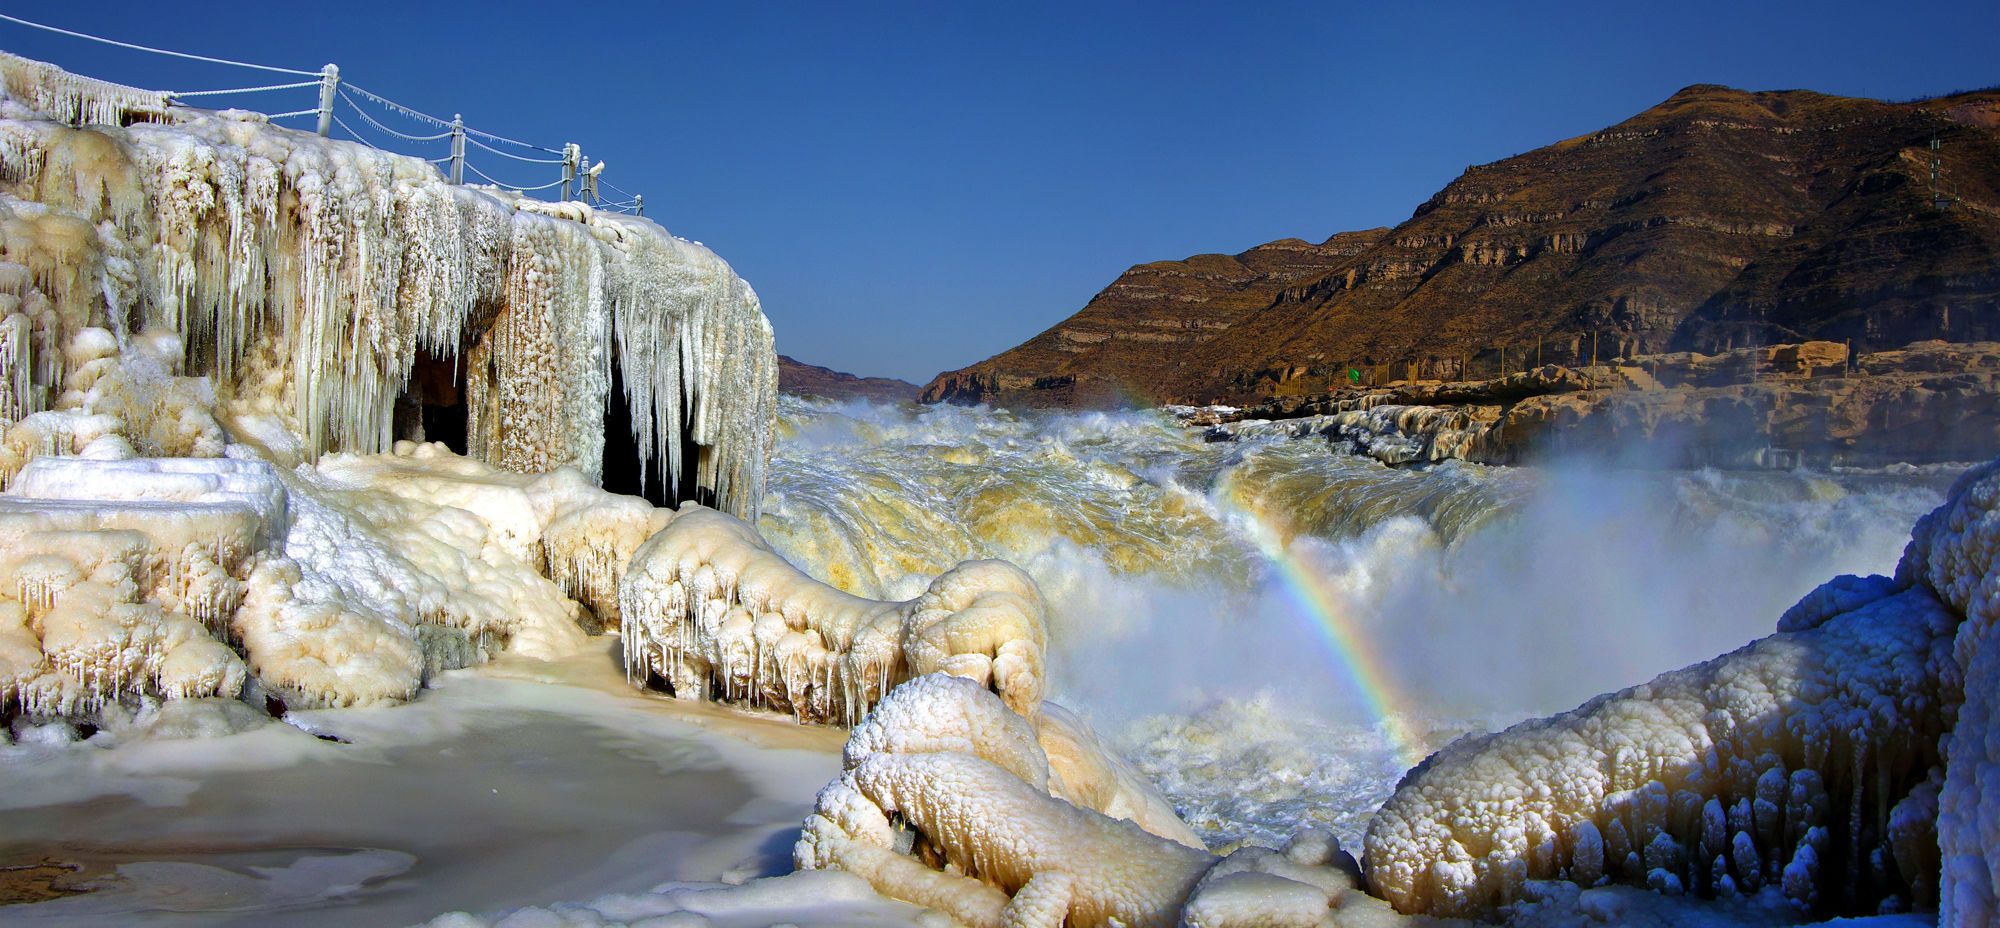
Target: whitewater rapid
[[1274, 631]]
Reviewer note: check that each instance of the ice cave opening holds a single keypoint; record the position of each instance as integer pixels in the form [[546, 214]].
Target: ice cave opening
[[432, 406], [626, 468]]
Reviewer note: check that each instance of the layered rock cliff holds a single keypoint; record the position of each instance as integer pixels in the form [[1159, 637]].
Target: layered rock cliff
[[1148, 320], [1718, 219]]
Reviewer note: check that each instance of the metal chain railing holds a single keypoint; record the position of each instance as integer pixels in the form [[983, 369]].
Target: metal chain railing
[[578, 179]]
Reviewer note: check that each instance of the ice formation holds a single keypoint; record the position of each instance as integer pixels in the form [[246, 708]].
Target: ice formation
[[1955, 552], [125, 594], [951, 800], [708, 607], [346, 583], [300, 280], [1834, 761]]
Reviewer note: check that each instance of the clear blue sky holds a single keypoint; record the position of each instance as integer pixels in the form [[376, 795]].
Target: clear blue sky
[[912, 188]]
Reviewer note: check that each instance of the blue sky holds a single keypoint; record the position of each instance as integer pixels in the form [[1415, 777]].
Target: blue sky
[[914, 187]]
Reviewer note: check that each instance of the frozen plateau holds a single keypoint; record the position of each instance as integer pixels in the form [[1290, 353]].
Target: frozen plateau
[[314, 609]]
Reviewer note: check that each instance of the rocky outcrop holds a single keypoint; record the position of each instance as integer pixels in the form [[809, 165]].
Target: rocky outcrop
[[801, 379], [1716, 220], [1776, 406]]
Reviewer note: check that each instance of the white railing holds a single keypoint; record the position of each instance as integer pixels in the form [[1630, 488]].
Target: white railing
[[574, 173]]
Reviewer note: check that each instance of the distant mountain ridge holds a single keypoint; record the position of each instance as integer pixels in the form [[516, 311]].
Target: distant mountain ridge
[[1720, 218], [801, 379]]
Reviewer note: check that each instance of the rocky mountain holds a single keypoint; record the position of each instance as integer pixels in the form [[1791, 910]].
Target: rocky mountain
[[801, 379], [1718, 219]]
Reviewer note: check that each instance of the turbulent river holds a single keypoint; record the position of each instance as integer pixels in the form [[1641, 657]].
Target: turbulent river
[[1273, 631]]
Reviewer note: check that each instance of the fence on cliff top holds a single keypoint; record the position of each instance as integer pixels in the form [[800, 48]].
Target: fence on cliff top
[[334, 98]]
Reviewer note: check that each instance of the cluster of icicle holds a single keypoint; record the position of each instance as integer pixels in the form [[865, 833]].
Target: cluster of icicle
[[304, 276], [709, 608], [1833, 761]]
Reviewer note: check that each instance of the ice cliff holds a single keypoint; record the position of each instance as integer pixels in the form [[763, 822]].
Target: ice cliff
[[215, 335]]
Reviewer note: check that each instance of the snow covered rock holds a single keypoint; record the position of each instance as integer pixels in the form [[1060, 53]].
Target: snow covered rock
[[707, 606]]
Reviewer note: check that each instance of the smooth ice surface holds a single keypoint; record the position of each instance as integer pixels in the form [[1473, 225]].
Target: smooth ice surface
[[517, 783]]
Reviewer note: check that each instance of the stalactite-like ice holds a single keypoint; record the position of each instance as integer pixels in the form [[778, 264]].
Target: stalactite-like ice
[[951, 800], [303, 277], [710, 608]]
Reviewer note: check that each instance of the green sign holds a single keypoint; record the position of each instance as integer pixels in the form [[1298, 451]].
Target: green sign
[[1353, 375]]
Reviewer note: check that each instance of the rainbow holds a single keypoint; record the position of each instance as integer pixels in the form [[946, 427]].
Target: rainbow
[[1307, 587]]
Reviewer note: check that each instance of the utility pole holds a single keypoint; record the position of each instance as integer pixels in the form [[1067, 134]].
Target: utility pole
[[638, 204], [329, 83]]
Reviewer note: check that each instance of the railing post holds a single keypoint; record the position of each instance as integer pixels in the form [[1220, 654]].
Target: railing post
[[329, 83], [457, 149], [571, 154], [638, 204]]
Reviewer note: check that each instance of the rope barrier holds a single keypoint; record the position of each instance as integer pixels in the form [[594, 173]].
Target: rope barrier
[[502, 138], [312, 112], [518, 189], [503, 154], [350, 131], [213, 93], [371, 121], [398, 107], [156, 51]]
